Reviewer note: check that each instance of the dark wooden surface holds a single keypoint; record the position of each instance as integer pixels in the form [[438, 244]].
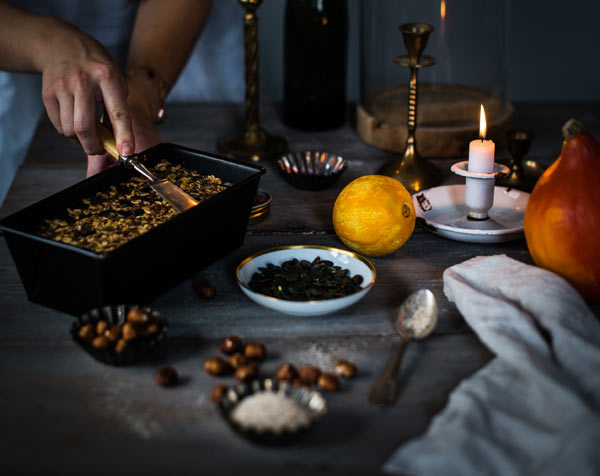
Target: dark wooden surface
[[63, 413]]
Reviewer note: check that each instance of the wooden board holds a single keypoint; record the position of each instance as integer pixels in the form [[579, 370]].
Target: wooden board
[[447, 119]]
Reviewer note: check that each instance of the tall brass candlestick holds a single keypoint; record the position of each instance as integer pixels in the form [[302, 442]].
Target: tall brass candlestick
[[415, 172], [253, 143]]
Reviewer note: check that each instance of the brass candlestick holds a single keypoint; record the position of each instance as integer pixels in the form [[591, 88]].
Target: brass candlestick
[[415, 172], [523, 173], [253, 143]]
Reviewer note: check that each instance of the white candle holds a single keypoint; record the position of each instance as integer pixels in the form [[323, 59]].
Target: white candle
[[481, 151]]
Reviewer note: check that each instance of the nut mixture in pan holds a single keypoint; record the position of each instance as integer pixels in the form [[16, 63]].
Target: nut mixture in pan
[[124, 211]]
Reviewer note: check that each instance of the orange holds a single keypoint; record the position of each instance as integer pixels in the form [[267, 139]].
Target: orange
[[374, 215]]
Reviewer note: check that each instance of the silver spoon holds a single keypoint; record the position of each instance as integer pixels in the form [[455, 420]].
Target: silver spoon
[[416, 319]]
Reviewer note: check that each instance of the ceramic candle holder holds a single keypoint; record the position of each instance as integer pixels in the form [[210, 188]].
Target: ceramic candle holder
[[479, 188]]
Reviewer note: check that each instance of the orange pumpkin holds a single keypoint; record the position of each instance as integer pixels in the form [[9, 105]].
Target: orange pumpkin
[[562, 219]]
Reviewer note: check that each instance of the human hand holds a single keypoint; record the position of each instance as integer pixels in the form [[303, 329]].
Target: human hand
[[141, 102], [77, 72], [145, 135]]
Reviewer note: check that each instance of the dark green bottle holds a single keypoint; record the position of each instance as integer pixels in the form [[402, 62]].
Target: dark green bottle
[[315, 46]]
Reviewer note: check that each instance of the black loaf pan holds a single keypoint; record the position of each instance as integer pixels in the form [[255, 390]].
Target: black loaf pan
[[74, 280]]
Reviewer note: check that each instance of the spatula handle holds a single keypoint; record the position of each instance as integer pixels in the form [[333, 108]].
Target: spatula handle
[[108, 142], [107, 138]]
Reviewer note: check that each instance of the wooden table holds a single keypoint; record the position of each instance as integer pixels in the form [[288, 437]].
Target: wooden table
[[63, 413]]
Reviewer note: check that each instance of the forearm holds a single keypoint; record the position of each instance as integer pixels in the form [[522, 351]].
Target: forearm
[[163, 37], [24, 38], [164, 34]]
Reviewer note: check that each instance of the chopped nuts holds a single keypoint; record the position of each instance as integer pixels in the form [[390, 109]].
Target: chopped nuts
[[122, 212], [246, 372], [231, 344], [255, 351], [166, 377], [309, 374], [287, 372], [216, 366], [345, 369], [328, 382], [218, 392]]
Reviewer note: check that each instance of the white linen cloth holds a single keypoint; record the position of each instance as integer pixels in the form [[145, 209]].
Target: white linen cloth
[[535, 408]]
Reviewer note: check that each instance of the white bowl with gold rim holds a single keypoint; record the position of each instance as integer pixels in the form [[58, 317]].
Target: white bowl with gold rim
[[353, 262]]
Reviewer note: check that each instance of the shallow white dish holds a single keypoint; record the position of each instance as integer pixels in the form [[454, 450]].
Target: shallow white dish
[[355, 263], [442, 211]]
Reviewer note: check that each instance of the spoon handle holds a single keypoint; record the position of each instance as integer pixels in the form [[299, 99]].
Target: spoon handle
[[383, 392]]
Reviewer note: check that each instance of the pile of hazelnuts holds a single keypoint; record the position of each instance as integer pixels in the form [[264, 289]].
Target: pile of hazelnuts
[[102, 334], [243, 361]]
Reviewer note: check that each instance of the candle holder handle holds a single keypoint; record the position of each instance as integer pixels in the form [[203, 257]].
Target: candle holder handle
[[415, 172], [253, 143]]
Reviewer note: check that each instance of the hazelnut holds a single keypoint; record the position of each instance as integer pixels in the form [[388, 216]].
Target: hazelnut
[[237, 360], [129, 331], [152, 329], [328, 382], [113, 333], [86, 332], [166, 377], [206, 291], [345, 369], [218, 392], [309, 374], [255, 351], [231, 344], [246, 372], [101, 326], [216, 366], [100, 342], [287, 372], [138, 316], [121, 345]]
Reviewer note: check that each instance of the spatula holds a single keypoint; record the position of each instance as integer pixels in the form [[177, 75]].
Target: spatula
[[176, 197]]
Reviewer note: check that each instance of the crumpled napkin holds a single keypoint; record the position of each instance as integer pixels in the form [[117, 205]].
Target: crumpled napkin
[[535, 408]]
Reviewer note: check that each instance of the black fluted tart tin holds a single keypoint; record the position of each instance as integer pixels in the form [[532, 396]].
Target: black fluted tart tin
[[136, 349], [74, 280], [311, 169]]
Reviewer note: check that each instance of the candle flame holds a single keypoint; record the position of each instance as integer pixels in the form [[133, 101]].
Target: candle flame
[[482, 123], [443, 9]]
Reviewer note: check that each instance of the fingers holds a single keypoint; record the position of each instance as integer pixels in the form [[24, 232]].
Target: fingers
[[114, 93], [97, 163], [84, 122], [70, 99], [53, 109]]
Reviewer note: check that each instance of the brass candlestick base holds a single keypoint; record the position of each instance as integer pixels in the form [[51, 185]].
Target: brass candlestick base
[[253, 143], [523, 174], [415, 172]]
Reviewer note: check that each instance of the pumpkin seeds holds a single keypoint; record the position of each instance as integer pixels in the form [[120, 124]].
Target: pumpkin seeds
[[296, 280]]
